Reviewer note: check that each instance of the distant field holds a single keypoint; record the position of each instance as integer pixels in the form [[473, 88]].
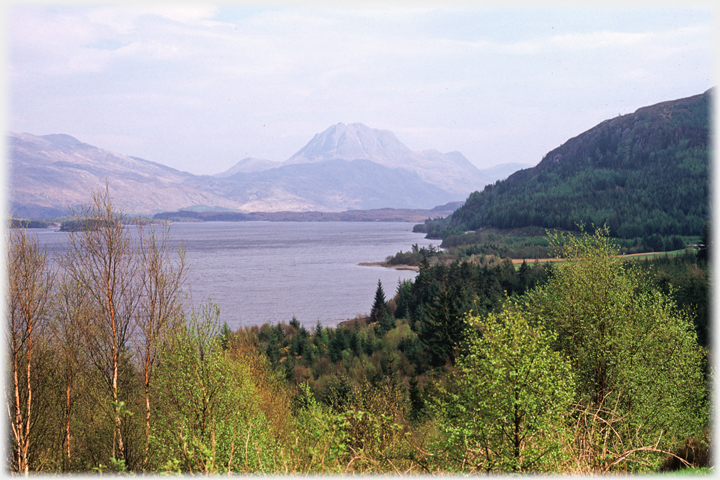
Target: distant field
[[633, 255]]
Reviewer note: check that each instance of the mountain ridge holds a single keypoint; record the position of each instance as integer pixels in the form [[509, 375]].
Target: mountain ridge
[[248, 165], [52, 173]]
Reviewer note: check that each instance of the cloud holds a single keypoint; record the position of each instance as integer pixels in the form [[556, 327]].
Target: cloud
[[593, 40], [125, 19]]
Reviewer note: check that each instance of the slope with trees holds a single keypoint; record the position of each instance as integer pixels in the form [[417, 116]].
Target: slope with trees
[[645, 175]]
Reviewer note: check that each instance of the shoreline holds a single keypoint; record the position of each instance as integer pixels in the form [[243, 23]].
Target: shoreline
[[515, 261], [395, 267]]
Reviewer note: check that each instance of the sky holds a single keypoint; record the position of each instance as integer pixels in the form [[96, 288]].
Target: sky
[[198, 87]]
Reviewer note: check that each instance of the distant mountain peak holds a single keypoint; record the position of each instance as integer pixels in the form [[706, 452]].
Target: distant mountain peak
[[354, 141], [248, 165]]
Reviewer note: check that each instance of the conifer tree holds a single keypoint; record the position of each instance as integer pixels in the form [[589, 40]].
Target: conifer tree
[[379, 308]]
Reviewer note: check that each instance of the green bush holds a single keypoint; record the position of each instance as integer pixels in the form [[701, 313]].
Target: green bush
[[508, 402], [639, 381], [210, 420]]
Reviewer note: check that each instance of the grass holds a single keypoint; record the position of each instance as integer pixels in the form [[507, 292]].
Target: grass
[[691, 471], [633, 256]]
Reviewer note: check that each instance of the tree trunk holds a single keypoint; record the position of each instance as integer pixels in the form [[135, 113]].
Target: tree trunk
[[67, 420]]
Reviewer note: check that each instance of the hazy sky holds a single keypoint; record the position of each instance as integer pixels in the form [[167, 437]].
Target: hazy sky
[[199, 88]]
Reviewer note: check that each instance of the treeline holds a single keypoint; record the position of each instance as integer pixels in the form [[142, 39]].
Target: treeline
[[29, 223], [685, 278], [645, 175], [581, 367]]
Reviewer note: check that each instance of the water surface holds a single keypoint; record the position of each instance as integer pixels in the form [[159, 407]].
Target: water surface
[[271, 271]]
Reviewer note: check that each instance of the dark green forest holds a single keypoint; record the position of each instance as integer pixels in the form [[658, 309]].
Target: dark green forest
[[645, 175], [589, 365]]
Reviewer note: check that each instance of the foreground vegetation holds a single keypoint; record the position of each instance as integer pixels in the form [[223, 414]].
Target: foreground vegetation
[[588, 366]]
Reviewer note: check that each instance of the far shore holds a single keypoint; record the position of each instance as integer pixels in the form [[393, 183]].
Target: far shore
[[514, 261], [386, 265]]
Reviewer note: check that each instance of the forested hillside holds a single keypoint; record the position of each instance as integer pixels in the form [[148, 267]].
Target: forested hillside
[[644, 174]]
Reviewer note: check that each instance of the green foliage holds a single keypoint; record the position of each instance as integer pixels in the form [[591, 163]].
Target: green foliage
[[638, 368], [443, 295], [210, 419], [526, 242], [414, 257], [638, 383], [321, 436], [380, 307], [225, 336], [684, 278], [507, 404], [583, 366], [29, 223], [403, 298], [442, 326]]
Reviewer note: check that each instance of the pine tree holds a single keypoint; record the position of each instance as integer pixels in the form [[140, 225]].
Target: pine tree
[[379, 309]]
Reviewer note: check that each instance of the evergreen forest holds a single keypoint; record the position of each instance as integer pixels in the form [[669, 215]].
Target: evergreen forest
[[593, 364]]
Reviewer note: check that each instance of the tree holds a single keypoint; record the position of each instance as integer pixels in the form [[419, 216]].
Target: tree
[[403, 298], [30, 287], [71, 313], [101, 259], [161, 281], [442, 324], [639, 383], [507, 403], [379, 308]]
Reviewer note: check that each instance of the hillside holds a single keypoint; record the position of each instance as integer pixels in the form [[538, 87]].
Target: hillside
[[248, 165], [370, 215], [643, 174]]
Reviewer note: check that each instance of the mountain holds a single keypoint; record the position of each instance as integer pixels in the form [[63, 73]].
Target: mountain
[[331, 185], [50, 173], [645, 175], [451, 172], [346, 167], [353, 142], [248, 165]]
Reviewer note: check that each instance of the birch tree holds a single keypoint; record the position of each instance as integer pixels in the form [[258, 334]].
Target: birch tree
[[30, 281], [100, 258], [161, 282], [72, 313]]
